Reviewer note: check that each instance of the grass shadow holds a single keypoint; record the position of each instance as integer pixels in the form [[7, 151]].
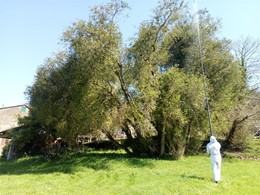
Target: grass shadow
[[69, 163], [183, 176]]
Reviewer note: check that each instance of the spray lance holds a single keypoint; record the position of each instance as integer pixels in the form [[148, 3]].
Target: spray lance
[[196, 17]]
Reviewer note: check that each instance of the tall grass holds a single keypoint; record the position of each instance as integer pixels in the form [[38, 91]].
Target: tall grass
[[117, 173]]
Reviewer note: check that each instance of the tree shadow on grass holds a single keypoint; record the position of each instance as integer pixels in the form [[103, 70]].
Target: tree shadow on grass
[[70, 163]]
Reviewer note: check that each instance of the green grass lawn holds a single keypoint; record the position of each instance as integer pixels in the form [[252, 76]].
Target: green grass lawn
[[117, 173]]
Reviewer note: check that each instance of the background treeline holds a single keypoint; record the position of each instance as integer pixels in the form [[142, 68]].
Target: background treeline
[[151, 89]]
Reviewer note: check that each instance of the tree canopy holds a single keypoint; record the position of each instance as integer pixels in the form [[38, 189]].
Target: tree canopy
[[152, 90]]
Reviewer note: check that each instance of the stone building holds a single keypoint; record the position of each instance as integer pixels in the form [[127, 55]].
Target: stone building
[[9, 121]]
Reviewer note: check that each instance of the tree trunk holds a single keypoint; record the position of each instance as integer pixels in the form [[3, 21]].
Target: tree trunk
[[231, 133], [116, 143], [179, 151], [233, 130], [163, 138], [10, 155]]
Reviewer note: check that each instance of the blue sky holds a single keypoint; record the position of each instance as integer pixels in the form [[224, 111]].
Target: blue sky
[[31, 31]]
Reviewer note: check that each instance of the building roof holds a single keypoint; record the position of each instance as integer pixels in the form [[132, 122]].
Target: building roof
[[9, 116]]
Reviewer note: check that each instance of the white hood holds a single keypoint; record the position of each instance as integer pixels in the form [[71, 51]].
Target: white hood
[[213, 139]]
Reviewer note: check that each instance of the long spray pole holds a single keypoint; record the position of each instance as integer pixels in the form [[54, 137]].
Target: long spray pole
[[195, 3]]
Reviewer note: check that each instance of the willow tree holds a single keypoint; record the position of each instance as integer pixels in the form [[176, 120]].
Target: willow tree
[[96, 46], [151, 90], [148, 51], [122, 85], [180, 114], [53, 94], [224, 77]]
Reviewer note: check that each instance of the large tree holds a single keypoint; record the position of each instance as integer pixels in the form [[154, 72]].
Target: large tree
[[152, 90]]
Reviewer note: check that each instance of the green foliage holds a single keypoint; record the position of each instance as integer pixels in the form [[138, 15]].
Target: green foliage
[[81, 82], [32, 138], [253, 150], [225, 79], [97, 87], [180, 111], [245, 119], [241, 140]]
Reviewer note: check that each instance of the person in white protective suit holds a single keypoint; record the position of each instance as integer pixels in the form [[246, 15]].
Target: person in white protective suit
[[213, 148]]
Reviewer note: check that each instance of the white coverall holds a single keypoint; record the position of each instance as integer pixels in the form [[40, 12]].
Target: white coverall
[[213, 148]]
